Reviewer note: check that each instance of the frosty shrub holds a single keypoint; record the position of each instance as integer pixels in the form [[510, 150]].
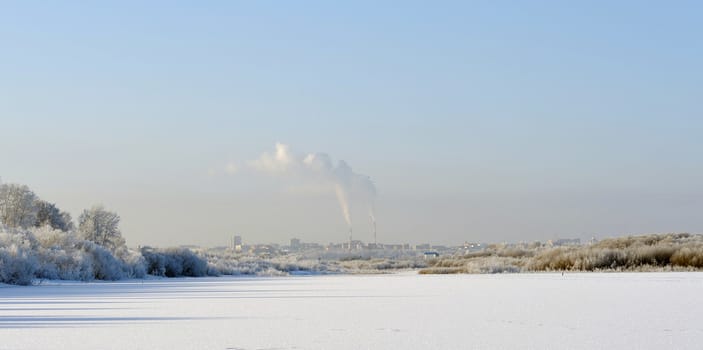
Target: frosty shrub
[[133, 263], [310, 262], [17, 266], [648, 252], [59, 257], [659, 252], [688, 256], [493, 263], [442, 271], [174, 262], [47, 253], [105, 265]]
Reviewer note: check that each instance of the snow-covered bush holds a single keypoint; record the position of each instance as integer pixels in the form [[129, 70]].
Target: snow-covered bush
[[59, 256], [17, 265], [648, 252], [688, 256], [105, 265], [174, 262], [310, 262], [133, 263], [47, 253], [659, 252]]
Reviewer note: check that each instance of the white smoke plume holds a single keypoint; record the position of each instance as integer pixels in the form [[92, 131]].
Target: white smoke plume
[[319, 168], [231, 168], [278, 163], [343, 202]]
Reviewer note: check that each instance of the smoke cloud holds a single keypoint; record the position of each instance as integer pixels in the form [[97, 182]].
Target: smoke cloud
[[320, 168], [343, 203], [231, 168]]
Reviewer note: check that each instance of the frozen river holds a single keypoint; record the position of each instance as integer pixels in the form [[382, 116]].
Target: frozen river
[[403, 311]]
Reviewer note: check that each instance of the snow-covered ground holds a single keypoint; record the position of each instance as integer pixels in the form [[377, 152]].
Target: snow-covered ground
[[403, 311]]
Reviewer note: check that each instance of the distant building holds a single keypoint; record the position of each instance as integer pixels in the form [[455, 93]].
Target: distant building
[[236, 244], [356, 245], [311, 246], [294, 244], [431, 255]]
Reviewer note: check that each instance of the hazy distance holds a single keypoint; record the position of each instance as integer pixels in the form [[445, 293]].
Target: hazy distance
[[475, 122]]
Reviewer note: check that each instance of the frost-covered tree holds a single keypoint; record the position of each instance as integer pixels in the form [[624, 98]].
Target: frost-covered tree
[[49, 215], [17, 206], [101, 226]]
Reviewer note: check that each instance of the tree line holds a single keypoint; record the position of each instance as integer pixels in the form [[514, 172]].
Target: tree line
[[40, 241], [21, 208]]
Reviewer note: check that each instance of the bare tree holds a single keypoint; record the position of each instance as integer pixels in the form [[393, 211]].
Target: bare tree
[[101, 226], [17, 206]]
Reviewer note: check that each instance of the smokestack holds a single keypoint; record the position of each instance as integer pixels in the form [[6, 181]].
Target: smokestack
[[319, 167]]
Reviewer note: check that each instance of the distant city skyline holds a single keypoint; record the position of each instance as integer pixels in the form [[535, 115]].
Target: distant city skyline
[[475, 121]]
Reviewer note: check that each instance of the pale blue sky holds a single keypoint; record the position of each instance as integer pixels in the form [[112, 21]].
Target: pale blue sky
[[481, 121]]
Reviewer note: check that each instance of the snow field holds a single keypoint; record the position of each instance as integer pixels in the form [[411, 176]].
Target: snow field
[[401, 311]]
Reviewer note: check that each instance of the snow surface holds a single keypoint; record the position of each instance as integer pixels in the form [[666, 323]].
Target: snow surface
[[402, 311]]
